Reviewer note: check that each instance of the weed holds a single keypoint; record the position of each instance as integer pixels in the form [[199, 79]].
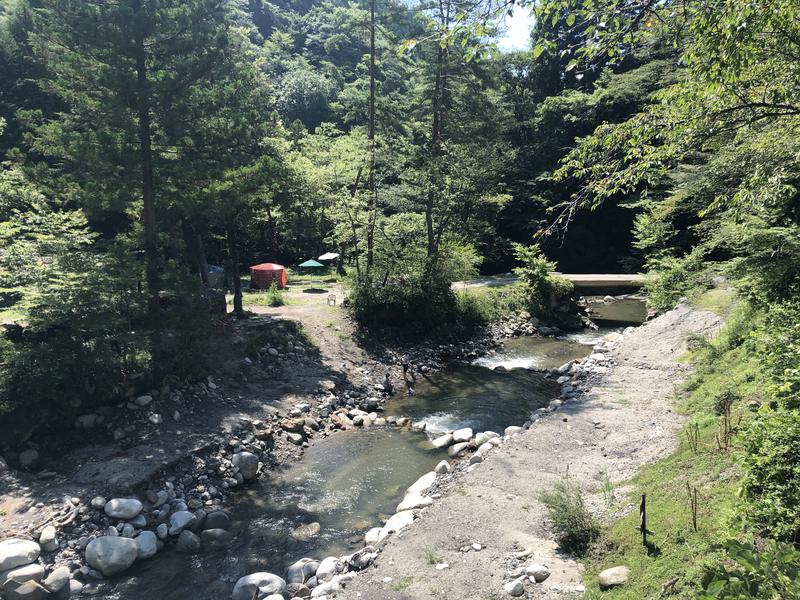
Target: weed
[[431, 557], [403, 584], [573, 524]]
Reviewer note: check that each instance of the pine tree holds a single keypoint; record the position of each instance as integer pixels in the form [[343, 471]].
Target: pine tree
[[126, 69]]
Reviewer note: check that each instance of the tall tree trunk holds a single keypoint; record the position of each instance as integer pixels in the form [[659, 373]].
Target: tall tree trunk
[[437, 128], [202, 261], [148, 192], [373, 195], [233, 260]]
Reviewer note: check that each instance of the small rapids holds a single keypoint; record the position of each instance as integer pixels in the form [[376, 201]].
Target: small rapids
[[353, 480]]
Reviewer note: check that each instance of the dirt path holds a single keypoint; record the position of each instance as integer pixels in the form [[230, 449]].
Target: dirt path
[[623, 423]]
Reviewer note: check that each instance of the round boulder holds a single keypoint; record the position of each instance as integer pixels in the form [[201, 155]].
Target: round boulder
[[111, 555], [613, 577], [188, 543], [258, 586], [123, 508], [17, 553], [247, 463]]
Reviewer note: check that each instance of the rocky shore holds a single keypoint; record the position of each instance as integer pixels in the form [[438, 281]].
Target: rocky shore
[[182, 506]]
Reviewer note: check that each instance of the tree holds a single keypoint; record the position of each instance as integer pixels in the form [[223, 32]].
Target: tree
[[122, 68]]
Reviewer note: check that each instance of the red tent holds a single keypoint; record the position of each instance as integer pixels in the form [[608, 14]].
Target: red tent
[[262, 276]]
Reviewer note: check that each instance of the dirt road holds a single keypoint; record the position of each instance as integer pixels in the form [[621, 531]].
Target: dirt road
[[627, 420]]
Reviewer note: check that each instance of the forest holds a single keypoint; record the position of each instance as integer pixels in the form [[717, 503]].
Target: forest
[[142, 141]]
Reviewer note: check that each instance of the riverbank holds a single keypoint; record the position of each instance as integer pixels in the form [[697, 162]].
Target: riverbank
[[626, 420], [189, 448]]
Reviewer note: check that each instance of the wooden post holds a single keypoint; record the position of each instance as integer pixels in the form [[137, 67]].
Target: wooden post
[[643, 519]]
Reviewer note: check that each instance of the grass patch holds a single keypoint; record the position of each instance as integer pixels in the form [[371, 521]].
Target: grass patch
[[717, 300], [725, 372], [431, 557], [403, 584]]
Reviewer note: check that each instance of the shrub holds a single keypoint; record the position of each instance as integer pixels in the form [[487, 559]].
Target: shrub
[[669, 278], [544, 290], [768, 574], [275, 295], [573, 524]]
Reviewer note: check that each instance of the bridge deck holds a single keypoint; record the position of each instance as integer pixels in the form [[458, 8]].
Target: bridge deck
[[604, 279]]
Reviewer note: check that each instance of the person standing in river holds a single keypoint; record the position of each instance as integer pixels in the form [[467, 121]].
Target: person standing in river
[[406, 366]]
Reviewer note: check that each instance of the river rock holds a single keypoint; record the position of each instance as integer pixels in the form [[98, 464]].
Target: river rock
[[442, 468], [297, 590], [123, 508], [295, 438], [98, 502], [162, 531], [147, 543], [329, 568], [613, 577], [188, 543], [419, 426], [180, 520], [462, 435], [362, 559], [373, 536], [32, 572], [17, 553], [484, 436], [422, 484], [538, 572], [515, 588], [247, 463], [28, 590], [27, 458], [398, 522], [306, 531], [218, 519], [413, 501], [301, 571], [57, 580], [215, 539], [484, 448], [456, 448], [111, 555], [513, 430], [48, 540], [475, 459], [258, 586], [443, 441]]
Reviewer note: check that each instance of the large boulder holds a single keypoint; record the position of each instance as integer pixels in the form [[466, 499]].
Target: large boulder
[[17, 553], [398, 522], [613, 577], [413, 501], [247, 463], [111, 555], [123, 508], [455, 449], [538, 572], [258, 586]]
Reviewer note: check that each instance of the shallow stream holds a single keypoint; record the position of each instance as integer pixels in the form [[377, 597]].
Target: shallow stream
[[351, 480]]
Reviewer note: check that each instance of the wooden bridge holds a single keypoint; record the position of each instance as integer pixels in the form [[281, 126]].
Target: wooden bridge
[[579, 280], [604, 280]]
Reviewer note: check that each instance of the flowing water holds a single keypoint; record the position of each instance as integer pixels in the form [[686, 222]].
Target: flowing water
[[350, 481]]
